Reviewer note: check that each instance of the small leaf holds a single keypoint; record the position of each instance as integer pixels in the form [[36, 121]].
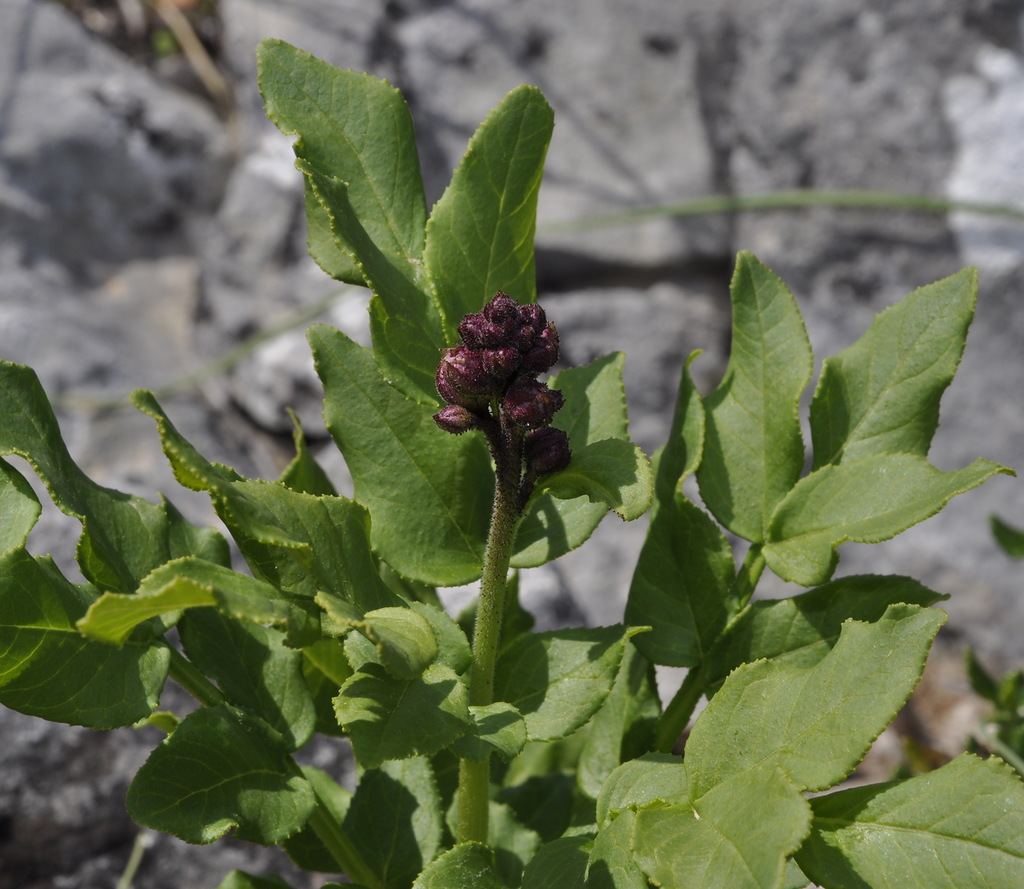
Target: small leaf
[[613, 864], [961, 825], [682, 454], [801, 630], [639, 782], [428, 493], [479, 239], [303, 473], [881, 395], [560, 864], [753, 450], [221, 769], [714, 841], [496, 728], [390, 718], [681, 585], [466, 866], [559, 679], [613, 472], [403, 638], [395, 820], [866, 500], [1009, 538], [815, 723]]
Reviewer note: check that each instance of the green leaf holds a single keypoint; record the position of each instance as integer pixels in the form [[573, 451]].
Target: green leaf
[[866, 500], [195, 583], [404, 321], [495, 728], [684, 449], [1009, 538], [395, 820], [403, 638], [881, 395], [428, 493], [802, 629], [559, 679], [682, 585], [514, 844], [303, 473], [49, 670], [613, 472], [815, 723], [19, 507], [354, 127], [961, 825], [298, 542], [390, 718], [753, 450], [560, 864], [253, 669], [715, 841], [466, 866], [123, 537], [624, 726], [238, 879], [479, 239], [641, 781], [613, 864], [221, 769], [595, 410]]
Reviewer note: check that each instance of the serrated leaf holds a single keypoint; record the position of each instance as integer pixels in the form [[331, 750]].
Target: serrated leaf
[[196, 583], [559, 679], [595, 410], [357, 128], [254, 670], [560, 864], [961, 825], [221, 769], [881, 395], [395, 820], [298, 542], [753, 449], [681, 585], [801, 630], [123, 537], [613, 864], [402, 637], [49, 670], [428, 493], [641, 781], [714, 841], [495, 728], [306, 848], [466, 866], [479, 238], [866, 500], [815, 723], [389, 718], [612, 472]]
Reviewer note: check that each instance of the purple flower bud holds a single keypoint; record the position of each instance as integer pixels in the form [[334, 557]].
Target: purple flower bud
[[547, 450], [503, 311], [462, 370], [479, 333], [502, 363], [533, 315], [524, 337], [456, 419], [531, 404], [544, 352]]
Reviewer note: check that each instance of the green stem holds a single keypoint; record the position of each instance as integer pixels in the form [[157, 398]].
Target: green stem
[[193, 681], [341, 847], [474, 777], [748, 576], [679, 710]]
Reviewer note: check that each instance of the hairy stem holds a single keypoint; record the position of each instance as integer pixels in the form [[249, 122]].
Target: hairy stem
[[474, 777], [679, 710]]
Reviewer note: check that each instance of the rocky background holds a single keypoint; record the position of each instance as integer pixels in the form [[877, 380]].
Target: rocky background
[[151, 222]]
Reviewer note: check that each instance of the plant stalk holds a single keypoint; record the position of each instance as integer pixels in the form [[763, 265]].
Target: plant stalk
[[193, 681], [341, 847], [679, 710], [474, 776]]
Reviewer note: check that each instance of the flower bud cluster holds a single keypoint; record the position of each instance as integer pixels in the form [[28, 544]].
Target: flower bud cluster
[[504, 347]]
